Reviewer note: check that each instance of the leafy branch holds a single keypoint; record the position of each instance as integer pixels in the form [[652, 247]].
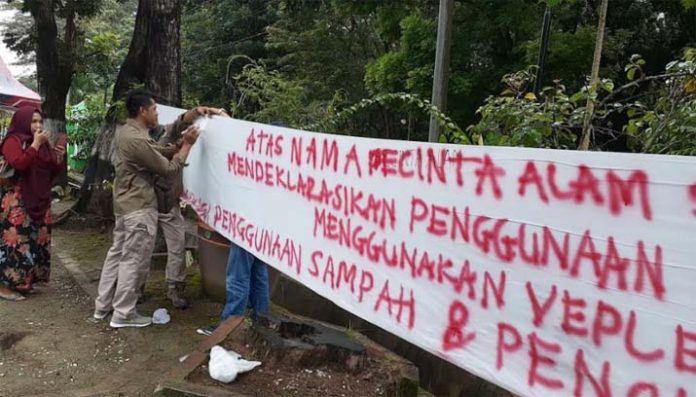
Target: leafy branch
[[451, 131]]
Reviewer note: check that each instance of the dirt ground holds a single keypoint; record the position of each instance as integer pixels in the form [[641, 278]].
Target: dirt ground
[[281, 376], [50, 346]]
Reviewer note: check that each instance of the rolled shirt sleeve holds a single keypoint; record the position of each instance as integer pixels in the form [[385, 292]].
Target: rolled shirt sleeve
[[20, 159], [146, 155]]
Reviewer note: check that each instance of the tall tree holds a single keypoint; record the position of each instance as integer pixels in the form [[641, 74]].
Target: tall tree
[[55, 50], [153, 58], [153, 62], [486, 41], [216, 37], [106, 40]]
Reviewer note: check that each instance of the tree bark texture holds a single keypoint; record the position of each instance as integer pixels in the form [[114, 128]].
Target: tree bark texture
[[54, 61], [54, 66], [153, 62], [153, 59]]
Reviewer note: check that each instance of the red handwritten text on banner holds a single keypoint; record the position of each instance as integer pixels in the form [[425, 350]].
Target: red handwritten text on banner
[[546, 272]]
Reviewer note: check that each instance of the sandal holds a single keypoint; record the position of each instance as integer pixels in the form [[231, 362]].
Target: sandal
[[24, 289], [8, 294], [28, 285]]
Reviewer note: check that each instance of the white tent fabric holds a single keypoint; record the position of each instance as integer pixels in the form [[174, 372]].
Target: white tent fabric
[[14, 94]]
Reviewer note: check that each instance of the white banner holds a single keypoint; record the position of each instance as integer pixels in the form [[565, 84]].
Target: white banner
[[549, 273]]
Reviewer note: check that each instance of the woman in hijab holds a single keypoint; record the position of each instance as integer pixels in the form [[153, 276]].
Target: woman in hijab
[[25, 216]]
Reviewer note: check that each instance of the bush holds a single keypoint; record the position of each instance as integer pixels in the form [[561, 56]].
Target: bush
[[83, 122]]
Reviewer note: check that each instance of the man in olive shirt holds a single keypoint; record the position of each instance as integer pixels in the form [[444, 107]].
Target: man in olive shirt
[[172, 223], [136, 160]]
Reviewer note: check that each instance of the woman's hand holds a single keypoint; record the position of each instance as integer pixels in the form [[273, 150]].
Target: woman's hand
[[59, 148], [60, 154], [40, 137]]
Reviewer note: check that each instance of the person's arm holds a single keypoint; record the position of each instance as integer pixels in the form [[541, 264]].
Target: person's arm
[[188, 139], [168, 150], [58, 151], [21, 159], [18, 159], [174, 131], [58, 163], [162, 137], [170, 133], [146, 155]]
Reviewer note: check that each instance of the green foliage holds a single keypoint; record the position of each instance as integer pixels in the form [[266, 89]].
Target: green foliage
[[83, 122], [570, 55], [321, 58], [267, 97], [407, 68], [634, 68], [104, 30], [363, 67], [325, 45], [662, 121], [106, 37], [667, 125], [212, 33], [19, 33], [451, 132], [519, 118]]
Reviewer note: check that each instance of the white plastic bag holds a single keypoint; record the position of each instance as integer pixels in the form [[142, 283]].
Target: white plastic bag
[[160, 316], [225, 365]]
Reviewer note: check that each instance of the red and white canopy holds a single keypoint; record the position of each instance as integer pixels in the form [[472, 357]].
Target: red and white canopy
[[14, 94]]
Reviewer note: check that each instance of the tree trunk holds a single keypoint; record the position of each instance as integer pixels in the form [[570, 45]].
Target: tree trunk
[[594, 79], [54, 67], [153, 62], [153, 59], [54, 71], [163, 40], [132, 70]]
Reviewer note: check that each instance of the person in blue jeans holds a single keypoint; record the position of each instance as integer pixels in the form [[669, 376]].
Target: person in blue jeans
[[246, 284]]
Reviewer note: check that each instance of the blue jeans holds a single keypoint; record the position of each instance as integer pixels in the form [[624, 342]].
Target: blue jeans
[[246, 283]]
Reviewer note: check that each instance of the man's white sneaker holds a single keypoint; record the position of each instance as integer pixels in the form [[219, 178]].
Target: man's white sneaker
[[135, 320], [101, 314]]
